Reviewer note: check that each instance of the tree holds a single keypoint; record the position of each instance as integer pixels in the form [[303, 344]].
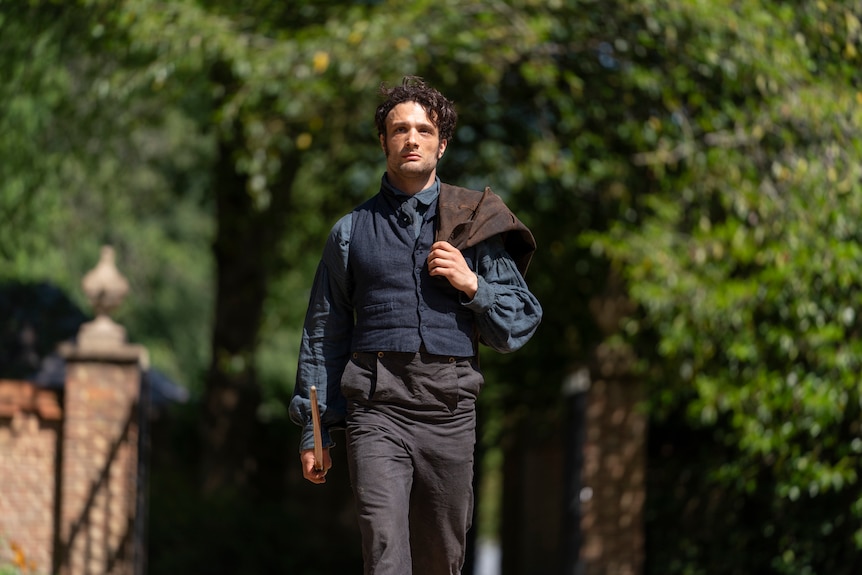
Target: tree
[[739, 253], [87, 164]]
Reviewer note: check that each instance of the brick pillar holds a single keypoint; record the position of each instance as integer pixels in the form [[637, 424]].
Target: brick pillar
[[613, 476], [100, 437], [99, 461]]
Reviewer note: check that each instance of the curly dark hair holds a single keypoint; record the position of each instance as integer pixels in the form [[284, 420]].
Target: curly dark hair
[[440, 110]]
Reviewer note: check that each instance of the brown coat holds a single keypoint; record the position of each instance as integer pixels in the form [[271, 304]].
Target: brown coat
[[467, 217]]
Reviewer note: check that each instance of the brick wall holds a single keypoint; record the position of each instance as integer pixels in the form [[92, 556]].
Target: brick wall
[[68, 471], [30, 429]]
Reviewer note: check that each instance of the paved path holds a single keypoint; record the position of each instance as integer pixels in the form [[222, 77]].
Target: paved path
[[488, 558]]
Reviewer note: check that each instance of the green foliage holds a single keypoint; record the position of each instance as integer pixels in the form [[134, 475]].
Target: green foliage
[[31, 90], [742, 257], [85, 163]]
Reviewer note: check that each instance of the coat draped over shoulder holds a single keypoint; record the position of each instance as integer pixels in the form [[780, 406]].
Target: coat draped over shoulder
[[467, 217]]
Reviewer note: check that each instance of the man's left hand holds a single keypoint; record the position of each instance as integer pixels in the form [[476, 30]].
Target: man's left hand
[[446, 260]]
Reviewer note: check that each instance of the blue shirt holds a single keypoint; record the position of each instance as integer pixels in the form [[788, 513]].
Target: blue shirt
[[506, 314]]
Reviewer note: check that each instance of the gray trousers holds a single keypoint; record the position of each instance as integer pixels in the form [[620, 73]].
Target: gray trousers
[[411, 433]]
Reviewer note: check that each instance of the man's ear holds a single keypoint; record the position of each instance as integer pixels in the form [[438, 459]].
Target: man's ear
[[442, 148], [383, 144]]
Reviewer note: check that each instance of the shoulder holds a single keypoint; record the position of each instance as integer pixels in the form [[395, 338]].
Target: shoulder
[[466, 200], [456, 205], [453, 189], [342, 227], [457, 194], [369, 204], [338, 241], [340, 231]]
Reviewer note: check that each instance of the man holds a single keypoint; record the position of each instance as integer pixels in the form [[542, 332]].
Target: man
[[391, 339]]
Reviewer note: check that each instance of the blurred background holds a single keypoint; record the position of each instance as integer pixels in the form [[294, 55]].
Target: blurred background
[[691, 172]]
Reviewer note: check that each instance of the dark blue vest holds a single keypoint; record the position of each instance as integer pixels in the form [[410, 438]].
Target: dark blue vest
[[398, 305]]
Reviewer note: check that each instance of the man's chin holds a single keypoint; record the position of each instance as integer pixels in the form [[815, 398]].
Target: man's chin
[[416, 168]]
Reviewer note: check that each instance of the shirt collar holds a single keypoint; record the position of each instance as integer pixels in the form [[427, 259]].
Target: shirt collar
[[425, 197]]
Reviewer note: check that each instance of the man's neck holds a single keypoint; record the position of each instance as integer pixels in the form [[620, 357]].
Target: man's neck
[[412, 186]]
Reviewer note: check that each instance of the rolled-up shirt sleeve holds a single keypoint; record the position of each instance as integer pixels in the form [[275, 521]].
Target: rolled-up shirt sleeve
[[507, 313], [326, 338]]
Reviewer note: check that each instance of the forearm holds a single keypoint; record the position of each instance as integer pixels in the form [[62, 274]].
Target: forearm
[[326, 340]]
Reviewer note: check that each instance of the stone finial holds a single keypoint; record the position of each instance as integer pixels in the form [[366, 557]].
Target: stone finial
[[104, 285], [106, 288]]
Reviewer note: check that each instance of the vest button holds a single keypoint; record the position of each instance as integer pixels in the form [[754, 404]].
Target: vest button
[[355, 355], [451, 360], [379, 354]]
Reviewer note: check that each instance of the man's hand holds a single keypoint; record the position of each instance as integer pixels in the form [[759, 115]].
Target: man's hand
[[308, 470], [447, 261]]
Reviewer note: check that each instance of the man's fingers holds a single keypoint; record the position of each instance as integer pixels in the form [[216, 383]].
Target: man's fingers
[[445, 256], [315, 475], [308, 469]]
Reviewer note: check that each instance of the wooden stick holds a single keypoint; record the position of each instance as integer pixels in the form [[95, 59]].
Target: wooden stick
[[315, 423]]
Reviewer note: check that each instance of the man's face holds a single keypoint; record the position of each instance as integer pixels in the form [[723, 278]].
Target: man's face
[[413, 146]]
